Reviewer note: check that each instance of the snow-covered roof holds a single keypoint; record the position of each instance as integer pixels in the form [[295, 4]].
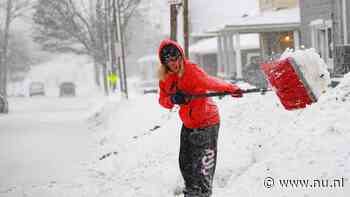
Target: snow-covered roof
[[206, 46], [274, 18]]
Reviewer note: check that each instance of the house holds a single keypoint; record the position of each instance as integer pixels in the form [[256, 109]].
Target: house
[[205, 52], [275, 24], [325, 27], [204, 44]]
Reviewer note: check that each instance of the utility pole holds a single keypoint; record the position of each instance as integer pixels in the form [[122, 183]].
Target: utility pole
[[92, 19], [112, 52], [122, 48], [109, 43], [173, 20], [186, 27], [106, 47], [113, 42], [117, 45]]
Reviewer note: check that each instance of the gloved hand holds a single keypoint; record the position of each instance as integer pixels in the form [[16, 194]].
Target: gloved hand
[[236, 91], [178, 98]]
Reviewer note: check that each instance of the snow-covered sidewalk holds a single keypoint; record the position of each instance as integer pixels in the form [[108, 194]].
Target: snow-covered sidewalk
[[258, 139]]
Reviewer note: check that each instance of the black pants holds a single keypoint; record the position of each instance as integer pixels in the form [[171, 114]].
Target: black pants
[[197, 159]]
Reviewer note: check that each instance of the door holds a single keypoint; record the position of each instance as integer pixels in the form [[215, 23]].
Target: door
[[322, 40]]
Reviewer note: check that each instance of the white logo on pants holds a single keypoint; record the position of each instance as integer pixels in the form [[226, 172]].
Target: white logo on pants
[[208, 161]]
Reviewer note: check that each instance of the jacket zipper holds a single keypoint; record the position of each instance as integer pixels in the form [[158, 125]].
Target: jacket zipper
[[190, 113]]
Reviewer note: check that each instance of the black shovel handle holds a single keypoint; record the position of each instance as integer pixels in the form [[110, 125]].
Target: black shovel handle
[[213, 94]]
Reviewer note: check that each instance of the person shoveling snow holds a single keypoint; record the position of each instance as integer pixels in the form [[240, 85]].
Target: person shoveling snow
[[298, 78], [180, 78]]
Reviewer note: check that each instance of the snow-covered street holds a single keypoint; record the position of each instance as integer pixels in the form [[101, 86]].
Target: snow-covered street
[[45, 144]]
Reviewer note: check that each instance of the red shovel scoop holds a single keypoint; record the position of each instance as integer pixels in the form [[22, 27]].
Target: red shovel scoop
[[289, 83]]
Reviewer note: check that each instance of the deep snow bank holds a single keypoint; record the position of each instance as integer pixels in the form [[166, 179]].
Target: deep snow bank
[[258, 139], [310, 144]]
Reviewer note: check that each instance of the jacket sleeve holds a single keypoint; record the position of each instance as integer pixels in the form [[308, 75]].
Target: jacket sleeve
[[211, 83], [164, 97]]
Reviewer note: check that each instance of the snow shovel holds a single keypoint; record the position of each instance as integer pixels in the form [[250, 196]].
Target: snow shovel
[[298, 80], [219, 94]]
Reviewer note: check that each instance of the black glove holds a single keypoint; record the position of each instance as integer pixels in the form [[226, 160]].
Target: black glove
[[178, 98], [238, 93]]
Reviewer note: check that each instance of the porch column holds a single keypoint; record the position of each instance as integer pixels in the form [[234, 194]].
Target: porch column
[[226, 54], [238, 56], [232, 69], [262, 46], [221, 65], [296, 39], [313, 39]]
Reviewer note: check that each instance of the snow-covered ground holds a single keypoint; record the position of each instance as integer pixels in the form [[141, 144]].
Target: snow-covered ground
[[46, 145], [130, 147], [258, 139]]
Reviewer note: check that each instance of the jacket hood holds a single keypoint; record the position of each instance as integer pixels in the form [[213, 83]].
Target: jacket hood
[[170, 42]]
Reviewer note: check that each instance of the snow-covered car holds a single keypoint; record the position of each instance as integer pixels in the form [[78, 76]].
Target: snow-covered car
[[3, 104], [67, 89], [37, 88]]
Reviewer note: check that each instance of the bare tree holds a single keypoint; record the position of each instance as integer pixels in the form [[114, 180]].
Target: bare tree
[[12, 9], [62, 26], [127, 10]]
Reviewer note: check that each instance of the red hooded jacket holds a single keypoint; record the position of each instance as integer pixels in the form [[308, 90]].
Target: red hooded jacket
[[200, 112]]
